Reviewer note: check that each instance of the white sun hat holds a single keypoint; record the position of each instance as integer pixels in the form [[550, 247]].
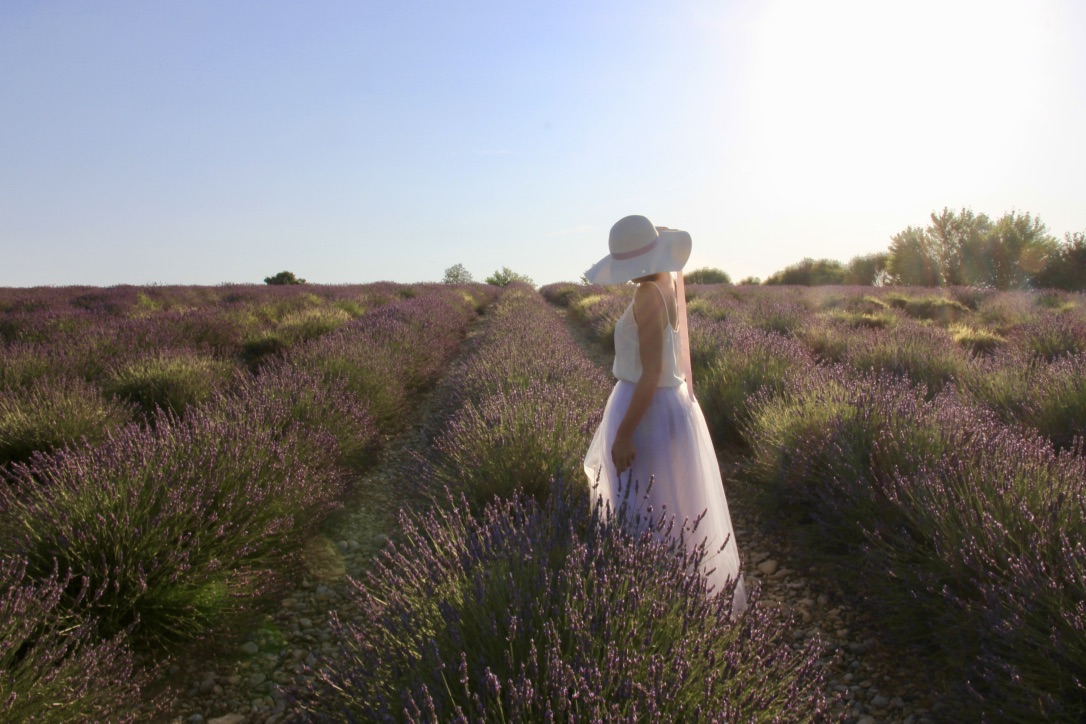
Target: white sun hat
[[638, 249]]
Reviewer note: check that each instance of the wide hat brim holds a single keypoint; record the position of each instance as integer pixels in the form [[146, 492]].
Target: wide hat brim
[[669, 254]]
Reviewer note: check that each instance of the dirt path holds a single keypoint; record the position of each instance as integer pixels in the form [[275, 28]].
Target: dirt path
[[875, 683]]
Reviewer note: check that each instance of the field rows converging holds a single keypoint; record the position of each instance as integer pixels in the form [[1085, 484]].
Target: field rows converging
[[148, 510], [238, 504], [925, 447]]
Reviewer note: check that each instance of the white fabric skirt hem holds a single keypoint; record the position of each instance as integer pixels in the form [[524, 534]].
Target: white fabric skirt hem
[[672, 448]]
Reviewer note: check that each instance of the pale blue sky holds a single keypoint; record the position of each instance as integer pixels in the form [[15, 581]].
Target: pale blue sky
[[200, 142]]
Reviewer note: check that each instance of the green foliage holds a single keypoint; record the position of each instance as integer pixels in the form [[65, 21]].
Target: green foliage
[[912, 260], [52, 670], [505, 276], [53, 413], [977, 340], [707, 275], [457, 274], [173, 525], [867, 270], [284, 277], [937, 309], [171, 380], [810, 273], [519, 441], [1065, 268], [964, 248]]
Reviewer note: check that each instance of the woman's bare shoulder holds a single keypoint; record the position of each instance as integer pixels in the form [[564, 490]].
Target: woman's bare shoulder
[[648, 304]]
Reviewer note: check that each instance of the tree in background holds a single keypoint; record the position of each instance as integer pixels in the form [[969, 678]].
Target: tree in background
[[1065, 268], [810, 273], [958, 244], [868, 270], [970, 250], [912, 259], [707, 275], [457, 274], [752, 281], [284, 277], [1018, 247], [505, 276]]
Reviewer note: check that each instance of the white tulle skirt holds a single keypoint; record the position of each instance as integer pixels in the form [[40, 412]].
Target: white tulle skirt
[[672, 448]]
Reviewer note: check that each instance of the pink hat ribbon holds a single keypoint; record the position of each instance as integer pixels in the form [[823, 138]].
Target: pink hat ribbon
[[636, 252]]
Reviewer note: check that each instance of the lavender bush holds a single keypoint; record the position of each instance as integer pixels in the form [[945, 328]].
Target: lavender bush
[[555, 613], [526, 402], [731, 362], [170, 380], [285, 396], [925, 355], [51, 413], [175, 524], [54, 669], [1050, 336], [393, 352], [962, 530], [518, 441]]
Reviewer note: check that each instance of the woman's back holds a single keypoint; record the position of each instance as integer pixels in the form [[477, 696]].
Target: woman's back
[[628, 348]]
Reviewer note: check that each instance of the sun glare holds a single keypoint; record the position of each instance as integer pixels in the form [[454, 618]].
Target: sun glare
[[869, 101]]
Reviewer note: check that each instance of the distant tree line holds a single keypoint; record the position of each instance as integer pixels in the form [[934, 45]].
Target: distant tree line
[[959, 249], [458, 274]]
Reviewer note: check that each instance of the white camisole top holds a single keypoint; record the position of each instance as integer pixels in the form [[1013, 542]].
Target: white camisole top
[[628, 349]]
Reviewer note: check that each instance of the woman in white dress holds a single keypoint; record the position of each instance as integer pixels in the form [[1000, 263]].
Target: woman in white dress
[[653, 428]]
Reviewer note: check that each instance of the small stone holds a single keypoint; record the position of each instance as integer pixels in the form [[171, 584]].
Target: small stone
[[880, 702], [233, 680], [207, 685], [305, 623], [227, 719], [173, 669], [249, 648], [196, 719], [866, 720], [343, 545], [768, 567], [897, 703], [257, 679], [823, 599]]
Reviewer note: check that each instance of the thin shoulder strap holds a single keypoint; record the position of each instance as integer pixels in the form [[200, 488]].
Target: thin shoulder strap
[[664, 300]]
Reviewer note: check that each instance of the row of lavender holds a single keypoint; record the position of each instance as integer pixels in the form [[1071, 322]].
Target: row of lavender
[[946, 476], [78, 362], [160, 531], [512, 598]]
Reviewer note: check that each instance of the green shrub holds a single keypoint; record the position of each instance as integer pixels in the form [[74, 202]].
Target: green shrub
[[53, 669], [976, 339], [372, 373], [737, 362], [174, 524], [312, 323], [517, 441], [171, 380], [54, 413], [942, 310], [925, 355]]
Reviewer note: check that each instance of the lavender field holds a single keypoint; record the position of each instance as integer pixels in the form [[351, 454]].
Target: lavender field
[[167, 451]]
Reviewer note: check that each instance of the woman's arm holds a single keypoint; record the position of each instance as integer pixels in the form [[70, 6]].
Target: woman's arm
[[649, 314]]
